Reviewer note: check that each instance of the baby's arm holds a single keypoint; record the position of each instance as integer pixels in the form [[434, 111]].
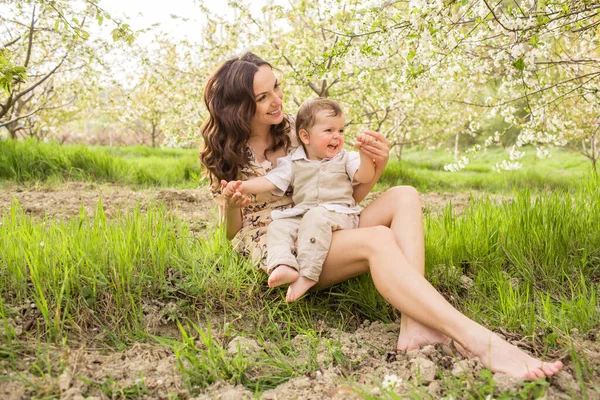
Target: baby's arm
[[255, 186], [366, 171]]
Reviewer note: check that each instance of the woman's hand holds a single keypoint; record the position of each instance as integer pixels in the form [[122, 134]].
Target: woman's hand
[[232, 194], [377, 147]]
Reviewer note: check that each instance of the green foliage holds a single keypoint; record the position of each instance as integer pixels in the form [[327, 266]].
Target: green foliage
[[30, 161], [10, 73]]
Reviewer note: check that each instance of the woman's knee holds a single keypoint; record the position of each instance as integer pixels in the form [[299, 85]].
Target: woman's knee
[[405, 197], [380, 238]]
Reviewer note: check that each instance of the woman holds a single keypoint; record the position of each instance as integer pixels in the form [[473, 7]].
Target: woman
[[244, 135]]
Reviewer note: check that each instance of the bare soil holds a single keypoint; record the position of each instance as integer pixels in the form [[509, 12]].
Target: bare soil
[[192, 205], [366, 363]]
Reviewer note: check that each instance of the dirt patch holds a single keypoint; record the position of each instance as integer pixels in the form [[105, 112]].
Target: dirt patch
[[143, 371], [348, 365], [69, 200], [354, 364], [191, 205], [436, 202]]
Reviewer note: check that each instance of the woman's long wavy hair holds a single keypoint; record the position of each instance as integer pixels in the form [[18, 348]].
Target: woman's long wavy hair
[[229, 97]]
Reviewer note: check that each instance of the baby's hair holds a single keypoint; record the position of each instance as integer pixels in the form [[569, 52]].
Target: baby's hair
[[307, 114]]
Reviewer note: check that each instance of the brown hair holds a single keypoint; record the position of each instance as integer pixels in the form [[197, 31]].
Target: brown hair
[[229, 98], [307, 114]]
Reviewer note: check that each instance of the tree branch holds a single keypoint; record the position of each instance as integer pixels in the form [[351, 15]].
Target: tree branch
[[48, 75], [30, 42], [5, 45]]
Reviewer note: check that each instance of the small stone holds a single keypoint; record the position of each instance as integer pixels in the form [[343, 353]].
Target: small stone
[[515, 283], [428, 351], [423, 370], [243, 344], [462, 367], [466, 282], [434, 389], [375, 391], [506, 383], [72, 394], [231, 394], [565, 382], [302, 383], [64, 381]]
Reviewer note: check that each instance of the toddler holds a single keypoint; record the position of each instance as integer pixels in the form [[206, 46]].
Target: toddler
[[322, 175]]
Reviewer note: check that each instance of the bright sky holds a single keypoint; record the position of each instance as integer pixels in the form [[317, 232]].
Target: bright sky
[[144, 13]]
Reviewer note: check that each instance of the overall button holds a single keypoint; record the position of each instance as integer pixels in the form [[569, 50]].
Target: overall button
[[321, 185], [323, 168], [312, 240]]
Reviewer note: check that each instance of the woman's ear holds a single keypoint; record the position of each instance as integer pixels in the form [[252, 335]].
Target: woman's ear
[[304, 137]]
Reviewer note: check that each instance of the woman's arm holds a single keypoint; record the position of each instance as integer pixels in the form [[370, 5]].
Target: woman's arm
[[378, 150], [232, 218], [230, 213]]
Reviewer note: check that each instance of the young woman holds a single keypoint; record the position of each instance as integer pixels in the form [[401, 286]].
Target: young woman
[[244, 135]]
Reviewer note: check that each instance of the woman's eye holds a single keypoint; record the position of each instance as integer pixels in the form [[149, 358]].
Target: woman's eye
[[261, 98]]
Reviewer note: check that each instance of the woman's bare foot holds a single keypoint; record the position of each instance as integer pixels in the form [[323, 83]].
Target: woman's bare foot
[[281, 275], [298, 288], [501, 356], [415, 335]]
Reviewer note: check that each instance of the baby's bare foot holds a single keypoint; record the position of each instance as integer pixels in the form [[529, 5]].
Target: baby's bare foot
[[281, 275], [298, 288], [501, 356]]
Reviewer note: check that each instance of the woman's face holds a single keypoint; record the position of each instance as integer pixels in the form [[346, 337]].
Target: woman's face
[[268, 97]]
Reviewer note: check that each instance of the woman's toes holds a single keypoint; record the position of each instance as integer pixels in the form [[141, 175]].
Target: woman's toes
[[547, 370], [539, 373]]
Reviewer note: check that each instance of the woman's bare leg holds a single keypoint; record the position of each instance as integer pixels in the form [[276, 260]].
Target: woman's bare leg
[[353, 251], [400, 209]]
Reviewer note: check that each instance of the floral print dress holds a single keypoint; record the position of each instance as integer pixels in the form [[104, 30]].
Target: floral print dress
[[251, 239]]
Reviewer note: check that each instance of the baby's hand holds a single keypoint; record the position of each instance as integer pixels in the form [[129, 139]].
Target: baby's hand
[[232, 194], [229, 188], [363, 139], [364, 142]]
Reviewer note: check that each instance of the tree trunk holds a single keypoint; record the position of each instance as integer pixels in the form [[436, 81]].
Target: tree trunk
[[399, 152], [456, 146], [153, 135]]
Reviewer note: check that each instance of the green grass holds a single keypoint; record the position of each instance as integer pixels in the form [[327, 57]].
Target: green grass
[[29, 161], [534, 263], [535, 267], [424, 170]]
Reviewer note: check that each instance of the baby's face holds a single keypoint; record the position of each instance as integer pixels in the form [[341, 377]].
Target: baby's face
[[326, 136]]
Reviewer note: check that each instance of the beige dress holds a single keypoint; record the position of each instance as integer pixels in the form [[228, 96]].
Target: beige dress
[[251, 239]]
